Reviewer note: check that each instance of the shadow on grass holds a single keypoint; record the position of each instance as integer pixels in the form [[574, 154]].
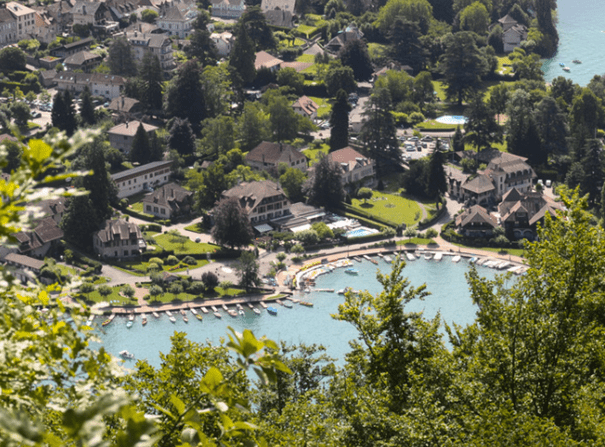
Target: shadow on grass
[[366, 205]]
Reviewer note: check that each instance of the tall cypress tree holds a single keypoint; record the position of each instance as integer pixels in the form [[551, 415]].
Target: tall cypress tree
[[339, 121], [185, 96], [241, 61], [70, 113], [141, 148], [87, 109], [151, 77], [57, 115]]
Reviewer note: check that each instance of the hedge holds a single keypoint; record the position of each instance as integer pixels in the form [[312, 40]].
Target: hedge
[[25, 88]]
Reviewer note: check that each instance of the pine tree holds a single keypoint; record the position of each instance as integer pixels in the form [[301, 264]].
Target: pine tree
[[241, 60], [436, 181], [87, 109], [58, 113], [185, 96], [80, 221], [120, 59], [339, 121], [181, 137], [70, 113], [141, 148], [325, 187], [151, 77], [231, 225]]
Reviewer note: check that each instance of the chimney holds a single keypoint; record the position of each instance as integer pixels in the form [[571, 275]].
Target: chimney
[[126, 124], [122, 101]]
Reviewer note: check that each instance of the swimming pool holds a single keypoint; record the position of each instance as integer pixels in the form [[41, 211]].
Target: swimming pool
[[452, 119], [361, 231]]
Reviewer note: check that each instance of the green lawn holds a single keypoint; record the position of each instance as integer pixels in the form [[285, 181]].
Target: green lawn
[[504, 65], [440, 89], [141, 267], [502, 147], [185, 297], [429, 125], [391, 207], [416, 241], [306, 58], [510, 251], [313, 154], [196, 228], [307, 30], [325, 107], [189, 247], [114, 299]]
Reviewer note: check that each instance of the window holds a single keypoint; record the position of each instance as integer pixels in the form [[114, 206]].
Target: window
[[155, 209], [148, 208], [129, 182]]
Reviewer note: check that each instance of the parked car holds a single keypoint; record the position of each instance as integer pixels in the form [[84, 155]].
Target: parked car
[[548, 183], [427, 138], [36, 115]]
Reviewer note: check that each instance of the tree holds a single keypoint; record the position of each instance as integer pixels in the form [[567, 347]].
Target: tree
[[325, 186], [379, 134], [339, 121], [284, 121], [457, 140], [365, 194], [63, 114], [424, 90], [339, 77], [218, 91], [475, 18], [247, 270], [418, 11], [105, 290], [253, 126], [12, 59], [140, 151], [185, 97], [149, 15], [498, 99], [14, 151], [80, 221], [21, 112], [201, 46], [406, 47], [436, 180], [242, 57], [481, 129], [210, 281], [462, 66], [256, 26], [150, 74], [120, 59], [292, 182], [547, 27], [87, 109], [102, 190], [494, 39], [585, 116], [289, 77], [213, 183], [231, 224], [355, 54], [218, 136], [552, 127], [181, 137], [128, 291]]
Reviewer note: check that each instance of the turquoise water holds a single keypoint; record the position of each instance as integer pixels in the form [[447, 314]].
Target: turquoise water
[[363, 231], [451, 119], [445, 280], [581, 36]]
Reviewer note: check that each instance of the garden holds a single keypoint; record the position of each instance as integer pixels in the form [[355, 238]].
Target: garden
[[390, 207]]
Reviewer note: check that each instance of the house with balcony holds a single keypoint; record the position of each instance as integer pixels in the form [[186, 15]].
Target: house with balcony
[[513, 33], [268, 156], [354, 167], [178, 18], [108, 86], [8, 27], [305, 106], [476, 222], [24, 268], [84, 60], [90, 13], [118, 239], [168, 201], [223, 42], [142, 178], [156, 44], [262, 201]]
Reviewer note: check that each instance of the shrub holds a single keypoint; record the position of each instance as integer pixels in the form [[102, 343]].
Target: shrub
[[297, 249], [128, 291], [172, 260], [157, 261], [226, 285], [308, 237], [388, 232], [189, 260], [153, 267], [281, 256], [272, 273], [431, 233], [297, 259], [175, 288], [196, 288]]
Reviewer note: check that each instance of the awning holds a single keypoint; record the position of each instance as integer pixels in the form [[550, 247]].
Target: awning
[[263, 228], [315, 216]]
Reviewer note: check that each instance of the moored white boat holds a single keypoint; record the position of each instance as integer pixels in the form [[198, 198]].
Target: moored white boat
[[193, 311], [225, 308], [438, 256], [263, 304], [204, 310], [155, 314], [410, 257], [168, 313], [172, 319], [144, 319], [217, 315], [214, 309], [256, 311], [456, 258]]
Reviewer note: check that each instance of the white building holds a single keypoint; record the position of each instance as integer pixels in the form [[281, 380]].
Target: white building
[[354, 166], [157, 44], [143, 177], [178, 19], [118, 239], [223, 42], [122, 135]]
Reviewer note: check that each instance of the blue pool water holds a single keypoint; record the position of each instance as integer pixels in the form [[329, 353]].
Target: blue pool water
[[445, 280], [452, 119], [360, 232]]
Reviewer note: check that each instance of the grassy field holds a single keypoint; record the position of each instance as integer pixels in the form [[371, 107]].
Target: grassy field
[[325, 107], [416, 241], [196, 228], [440, 89], [504, 65], [306, 58], [391, 207], [185, 297], [307, 30], [141, 267], [313, 154], [429, 125], [165, 241], [115, 298]]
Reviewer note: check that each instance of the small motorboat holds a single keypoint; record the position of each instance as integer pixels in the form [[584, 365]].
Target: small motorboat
[[306, 303], [155, 314], [388, 259], [456, 258], [561, 64], [239, 306], [168, 313], [172, 320], [352, 271], [214, 309], [131, 317], [184, 314], [193, 311], [567, 69], [217, 315], [199, 317], [250, 306], [204, 310], [288, 304], [272, 310], [144, 320], [410, 257], [438, 256], [280, 302], [357, 258], [241, 312], [577, 61], [225, 308], [256, 311], [232, 313], [307, 290], [428, 256], [126, 355]]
